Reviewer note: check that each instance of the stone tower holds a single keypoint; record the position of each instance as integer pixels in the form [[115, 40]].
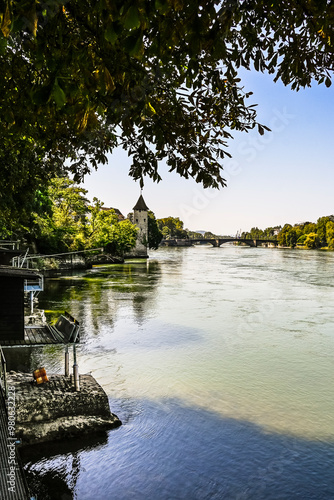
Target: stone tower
[[140, 219]]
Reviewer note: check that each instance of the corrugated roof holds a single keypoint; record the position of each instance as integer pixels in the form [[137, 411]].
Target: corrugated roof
[[140, 205]]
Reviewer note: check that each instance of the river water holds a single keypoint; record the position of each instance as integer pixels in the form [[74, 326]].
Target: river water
[[220, 364]]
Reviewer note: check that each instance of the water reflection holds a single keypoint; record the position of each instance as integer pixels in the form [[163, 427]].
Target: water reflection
[[99, 294], [192, 453], [53, 469], [96, 298], [245, 333]]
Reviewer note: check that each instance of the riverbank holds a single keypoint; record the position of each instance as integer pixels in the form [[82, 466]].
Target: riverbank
[[53, 264], [55, 411]]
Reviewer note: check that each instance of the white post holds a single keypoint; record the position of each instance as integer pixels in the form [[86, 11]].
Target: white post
[[31, 302]]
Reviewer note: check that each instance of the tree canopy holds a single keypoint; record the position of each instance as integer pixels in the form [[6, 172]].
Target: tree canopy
[[157, 77], [154, 233], [306, 234], [73, 223], [172, 227]]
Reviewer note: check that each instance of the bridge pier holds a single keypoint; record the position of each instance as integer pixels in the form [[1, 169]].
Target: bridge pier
[[214, 243]]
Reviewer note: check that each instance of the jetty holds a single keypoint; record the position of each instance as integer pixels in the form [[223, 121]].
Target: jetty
[[64, 332]]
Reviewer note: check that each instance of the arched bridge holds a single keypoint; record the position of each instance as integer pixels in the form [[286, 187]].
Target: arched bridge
[[217, 242]]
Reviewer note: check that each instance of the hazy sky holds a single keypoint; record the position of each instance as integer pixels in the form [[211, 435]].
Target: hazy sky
[[287, 175]]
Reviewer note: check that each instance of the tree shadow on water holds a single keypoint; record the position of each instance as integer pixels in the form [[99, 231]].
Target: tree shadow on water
[[168, 451]]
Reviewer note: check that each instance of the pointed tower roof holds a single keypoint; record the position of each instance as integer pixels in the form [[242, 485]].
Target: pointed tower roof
[[140, 205]]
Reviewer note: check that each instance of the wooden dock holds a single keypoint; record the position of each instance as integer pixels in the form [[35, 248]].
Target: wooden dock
[[13, 485], [39, 336]]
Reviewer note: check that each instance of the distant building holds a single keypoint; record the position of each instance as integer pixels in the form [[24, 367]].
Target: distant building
[[117, 212], [140, 219]]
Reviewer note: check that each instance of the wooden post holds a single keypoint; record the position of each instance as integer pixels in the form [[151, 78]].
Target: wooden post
[[67, 362], [76, 377], [76, 370]]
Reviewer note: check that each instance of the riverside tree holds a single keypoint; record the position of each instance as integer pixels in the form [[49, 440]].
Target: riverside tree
[[73, 223], [63, 226], [330, 234], [156, 77], [154, 234], [172, 227], [307, 234]]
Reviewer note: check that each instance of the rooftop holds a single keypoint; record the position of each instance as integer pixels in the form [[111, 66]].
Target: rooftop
[[140, 205]]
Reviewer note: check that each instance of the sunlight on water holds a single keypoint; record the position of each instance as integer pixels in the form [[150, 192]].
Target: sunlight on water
[[233, 340], [245, 338]]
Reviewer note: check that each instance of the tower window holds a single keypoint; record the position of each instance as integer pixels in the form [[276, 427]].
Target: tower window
[[136, 220]]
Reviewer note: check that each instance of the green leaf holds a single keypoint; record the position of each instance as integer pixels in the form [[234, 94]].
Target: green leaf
[[150, 109], [134, 46], [132, 19], [3, 44], [42, 95], [328, 82], [161, 6], [9, 117], [110, 35], [58, 95]]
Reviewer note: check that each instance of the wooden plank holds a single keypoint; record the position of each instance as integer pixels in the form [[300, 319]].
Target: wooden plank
[[45, 336], [31, 336], [36, 336], [27, 336]]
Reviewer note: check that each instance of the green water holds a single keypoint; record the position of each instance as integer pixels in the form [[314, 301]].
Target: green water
[[224, 354]]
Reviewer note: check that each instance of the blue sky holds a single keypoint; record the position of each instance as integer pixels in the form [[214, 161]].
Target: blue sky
[[287, 175]]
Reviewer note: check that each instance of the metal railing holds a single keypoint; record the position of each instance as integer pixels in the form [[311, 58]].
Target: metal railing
[[36, 284], [3, 375], [33, 287], [27, 261], [14, 245], [20, 260]]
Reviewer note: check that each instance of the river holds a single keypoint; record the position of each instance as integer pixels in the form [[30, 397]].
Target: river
[[220, 364]]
